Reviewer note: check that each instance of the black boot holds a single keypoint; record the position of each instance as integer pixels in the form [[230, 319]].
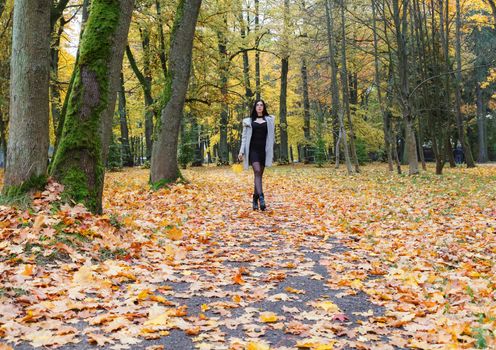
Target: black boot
[[262, 202], [255, 201]]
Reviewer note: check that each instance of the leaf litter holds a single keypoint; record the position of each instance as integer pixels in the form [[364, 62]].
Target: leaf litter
[[421, 250]]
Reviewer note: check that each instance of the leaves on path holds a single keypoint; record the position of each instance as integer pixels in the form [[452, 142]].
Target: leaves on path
[[397, 261]]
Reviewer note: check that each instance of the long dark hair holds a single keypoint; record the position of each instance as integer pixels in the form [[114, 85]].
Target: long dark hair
[[254, 114]]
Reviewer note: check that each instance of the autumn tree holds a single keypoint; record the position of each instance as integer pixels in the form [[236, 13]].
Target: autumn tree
[[80, 157], [27, 149], [164, 167]]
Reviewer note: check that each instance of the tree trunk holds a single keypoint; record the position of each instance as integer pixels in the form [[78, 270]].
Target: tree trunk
[[145, 82], [27, 149], [345, 87], [60, 125], [467, 151], [336, 108], [149, 108], [400, 22], [127, 157], [164, 167], [283, 123], [306, 112], [224, 113], [163, 58], [3, 139], [385, 119], [79, 162], [283, 96], [483, 156], [246, 64], [198, 148], [55, 101], [258, 88]]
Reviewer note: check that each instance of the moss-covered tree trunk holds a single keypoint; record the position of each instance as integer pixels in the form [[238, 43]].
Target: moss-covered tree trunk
[[27, 149], [164, 153], [80, 157]]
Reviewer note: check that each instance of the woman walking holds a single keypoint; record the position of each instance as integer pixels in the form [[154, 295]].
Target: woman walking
[[257, 147]]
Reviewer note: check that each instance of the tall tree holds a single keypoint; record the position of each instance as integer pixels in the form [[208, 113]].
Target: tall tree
[[336, 108], [145, 80], [467, 151], [127, 156], [283, 96], [27, 149], [258, 88], [80, 157], [345, 86], [400, 16], [224, 77], [377, 79], [164, 166]]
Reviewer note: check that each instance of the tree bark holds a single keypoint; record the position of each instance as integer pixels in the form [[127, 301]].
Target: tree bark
[[127, 157], [55, 101], [224, 113], [163, 57], [306, 112], [336, 107], [164, 167], [115, 66], [145, 82], [60, 123], [283, 96], [467, 151], [385, 121], [27, 149], [345, 87], [283, 110], [258, 88], [246, 63], [400, 22], [483, 156], [79, 162]]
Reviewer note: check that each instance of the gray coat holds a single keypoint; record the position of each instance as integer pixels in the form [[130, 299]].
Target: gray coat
[[246, 139]]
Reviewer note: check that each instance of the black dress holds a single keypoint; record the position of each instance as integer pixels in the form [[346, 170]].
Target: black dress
[[257, 143]]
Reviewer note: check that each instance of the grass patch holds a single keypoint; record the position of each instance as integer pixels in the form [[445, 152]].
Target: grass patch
[[108, 254]]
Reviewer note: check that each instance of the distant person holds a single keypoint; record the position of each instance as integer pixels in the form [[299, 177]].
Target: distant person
[[257, 147], [458, 153]]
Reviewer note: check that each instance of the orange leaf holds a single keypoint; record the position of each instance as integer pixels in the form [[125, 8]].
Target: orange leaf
[[238, 279]]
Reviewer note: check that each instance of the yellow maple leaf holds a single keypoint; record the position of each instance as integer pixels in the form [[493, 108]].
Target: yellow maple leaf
[[143, 294], [174, 234], [328, 306], [83, 276], [256, 346], [237, 168], [159, 320], [315, 346], [295, 291], [268, 317], [28, 270]]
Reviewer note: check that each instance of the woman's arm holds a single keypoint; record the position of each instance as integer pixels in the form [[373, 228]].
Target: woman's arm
[[243, 140]]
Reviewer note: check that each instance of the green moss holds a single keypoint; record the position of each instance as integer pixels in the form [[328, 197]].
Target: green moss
[[33, 183], [78, 162], [20, 195], [155, 186]]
